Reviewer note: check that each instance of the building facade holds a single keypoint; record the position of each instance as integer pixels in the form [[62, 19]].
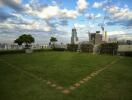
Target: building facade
[[74, 38], [95, 38]]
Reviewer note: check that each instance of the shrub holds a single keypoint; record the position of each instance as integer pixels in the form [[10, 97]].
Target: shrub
[[41, 50], [59, 49], [11, 52], [3, 52], [72, 47], [109, 48], [86, 48]]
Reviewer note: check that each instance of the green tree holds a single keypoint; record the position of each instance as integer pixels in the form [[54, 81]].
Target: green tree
[[18, 41], [25, 38], [53, 40]]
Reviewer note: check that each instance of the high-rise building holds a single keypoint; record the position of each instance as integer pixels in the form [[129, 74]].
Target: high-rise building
[[95, 38], [74, 38], [104, 35]]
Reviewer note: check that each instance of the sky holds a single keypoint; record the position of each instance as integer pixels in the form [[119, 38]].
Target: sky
[[46, 18]]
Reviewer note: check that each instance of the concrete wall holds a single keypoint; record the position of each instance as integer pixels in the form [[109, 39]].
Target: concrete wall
[[125, 48]]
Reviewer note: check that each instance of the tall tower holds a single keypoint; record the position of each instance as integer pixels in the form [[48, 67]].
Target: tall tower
[[106, 36], [74, 37], [103, 33]]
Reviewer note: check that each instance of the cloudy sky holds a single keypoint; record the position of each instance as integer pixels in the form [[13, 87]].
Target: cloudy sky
[[46, 18]]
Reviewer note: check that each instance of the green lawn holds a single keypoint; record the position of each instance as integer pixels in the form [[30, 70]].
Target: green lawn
[[24, 76]]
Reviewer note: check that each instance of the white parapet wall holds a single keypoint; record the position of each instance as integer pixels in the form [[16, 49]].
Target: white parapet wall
[[125, 48]]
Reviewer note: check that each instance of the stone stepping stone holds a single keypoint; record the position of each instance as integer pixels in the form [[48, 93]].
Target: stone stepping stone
[[48, 82], [53, 85], [77, 84], [81, 82], [59, 87], [72, 88], [66, 91]]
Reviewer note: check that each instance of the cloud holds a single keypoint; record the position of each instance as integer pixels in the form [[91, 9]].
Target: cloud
[[4, 16], [65, 13], [82, 5], [97, 5], [63, 22], [46, 12], [120, 16], [102, 4], [120, 13], [116, 32], [14, 4], [57, 12], [35, 26], [80, 26], [124, 37], [17, 1], [120, 22], [92, 16], [120, 35]]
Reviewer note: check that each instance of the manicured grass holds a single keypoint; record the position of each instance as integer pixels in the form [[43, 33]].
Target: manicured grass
[[64, 69]]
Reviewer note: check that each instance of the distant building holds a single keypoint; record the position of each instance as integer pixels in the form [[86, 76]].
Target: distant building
[[125, 47], [74, 38], [7, 46], [95, 38]]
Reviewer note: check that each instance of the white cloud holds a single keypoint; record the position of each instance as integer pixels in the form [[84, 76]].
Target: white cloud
[[97, 4], [92, 16], [120, 13], [102, 4], [48, 12], [62, 28], [68, 13], [84, 28], [80, 26], [120, 35], [98, 15], [116, 32], [89, 15], [82, 5], [113, 10], [36, 26], [7, 25], [119, 16], [45, 13], [125, 37], [52, 12]]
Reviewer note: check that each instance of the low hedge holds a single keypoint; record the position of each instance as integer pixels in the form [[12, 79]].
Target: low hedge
[[3, 52], [72, 47], [58, 49], [11, 52], [86, 48], [41, 50]]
